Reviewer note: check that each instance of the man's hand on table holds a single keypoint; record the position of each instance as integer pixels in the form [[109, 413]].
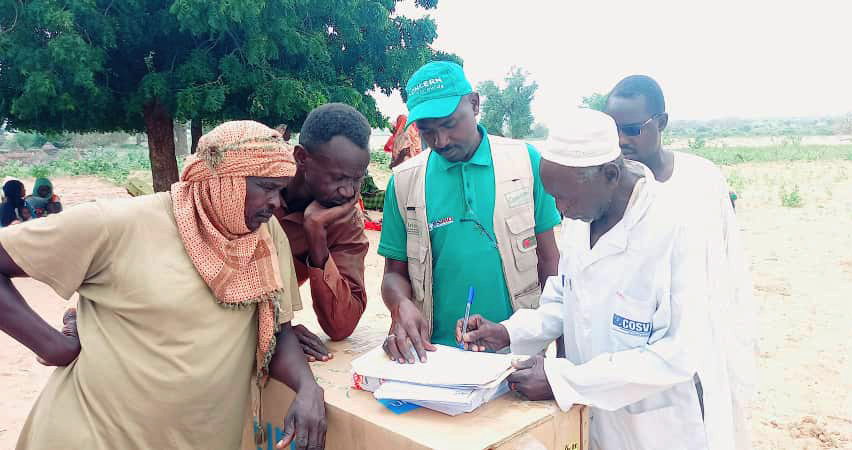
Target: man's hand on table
[[311, 344], [482, 334], [67, 348], [306, 422], [530, 380], [408, 327]]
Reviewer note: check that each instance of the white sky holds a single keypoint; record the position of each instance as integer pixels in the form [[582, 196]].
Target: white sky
[[713, 59]]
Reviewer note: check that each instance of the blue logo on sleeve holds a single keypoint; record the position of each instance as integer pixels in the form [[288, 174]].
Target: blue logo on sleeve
[[631, 327]]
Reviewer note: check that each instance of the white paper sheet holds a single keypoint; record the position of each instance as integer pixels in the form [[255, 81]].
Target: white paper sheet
[[447, 366]]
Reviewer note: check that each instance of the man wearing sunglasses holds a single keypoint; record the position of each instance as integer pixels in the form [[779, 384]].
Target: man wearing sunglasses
[[638, 107]]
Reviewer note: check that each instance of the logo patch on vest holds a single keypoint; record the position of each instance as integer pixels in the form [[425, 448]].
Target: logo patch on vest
[[411, 228], [518, 197], [440, 223], [631, 327]]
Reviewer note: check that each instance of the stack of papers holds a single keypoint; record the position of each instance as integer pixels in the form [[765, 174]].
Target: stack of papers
[[451, 381]]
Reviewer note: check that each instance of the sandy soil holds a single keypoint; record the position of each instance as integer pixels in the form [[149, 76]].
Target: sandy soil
[[802, 269]]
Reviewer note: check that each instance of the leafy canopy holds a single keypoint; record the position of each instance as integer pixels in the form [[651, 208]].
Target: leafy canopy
[[92, 65], [506, 111]]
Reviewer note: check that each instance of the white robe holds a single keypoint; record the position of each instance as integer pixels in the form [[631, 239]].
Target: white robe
[[634, 313], [699, 185]]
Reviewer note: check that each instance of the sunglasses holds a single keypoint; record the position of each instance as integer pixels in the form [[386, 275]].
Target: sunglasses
[[635, 129]]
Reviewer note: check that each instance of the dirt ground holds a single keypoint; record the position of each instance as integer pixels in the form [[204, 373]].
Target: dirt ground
[[802, 270]]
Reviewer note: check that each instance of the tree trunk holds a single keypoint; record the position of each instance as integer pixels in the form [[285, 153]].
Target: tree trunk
[[181, 144], [161, 145], [195, 130]]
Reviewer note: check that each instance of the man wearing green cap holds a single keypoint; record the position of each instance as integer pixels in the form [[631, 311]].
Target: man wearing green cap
[[469, 215]]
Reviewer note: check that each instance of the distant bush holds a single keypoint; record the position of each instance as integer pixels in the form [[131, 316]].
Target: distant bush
[[736, 182], [736, 155], [539, 132], [697, 143], [732, 127], [380, 157], [791, 140], [89, 140], [30, 140], [111, 164], [791, 199]]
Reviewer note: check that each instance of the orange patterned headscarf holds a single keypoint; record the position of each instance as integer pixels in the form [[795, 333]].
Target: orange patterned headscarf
[[239, 266]]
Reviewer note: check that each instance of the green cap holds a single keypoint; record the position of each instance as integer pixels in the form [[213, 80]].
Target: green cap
[[435, 90]]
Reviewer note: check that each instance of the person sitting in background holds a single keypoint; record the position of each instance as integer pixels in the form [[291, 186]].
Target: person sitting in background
[[43, 201], [24, 213], [13, 202]]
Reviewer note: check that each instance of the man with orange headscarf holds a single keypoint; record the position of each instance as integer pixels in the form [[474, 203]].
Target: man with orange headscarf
[[184, 295]]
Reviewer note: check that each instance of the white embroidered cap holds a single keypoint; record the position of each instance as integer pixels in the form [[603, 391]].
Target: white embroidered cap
[[588, 138]]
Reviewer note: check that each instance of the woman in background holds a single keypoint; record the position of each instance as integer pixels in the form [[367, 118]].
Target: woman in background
[[405, 143], [43, 201]]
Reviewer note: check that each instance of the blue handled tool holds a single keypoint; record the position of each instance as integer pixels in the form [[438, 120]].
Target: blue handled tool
[[470, 295]]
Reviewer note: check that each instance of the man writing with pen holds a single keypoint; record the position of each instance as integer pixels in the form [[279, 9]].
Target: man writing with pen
[[469, 212]]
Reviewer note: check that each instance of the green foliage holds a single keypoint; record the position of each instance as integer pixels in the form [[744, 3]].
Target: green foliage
[[93, 65], [732, 127], [30, 140], [736, 155], [736, 182], [112, 164], [791, 140], [697, 143], [595, 101], [39, 171], [380, 157], [792, 198], [539, 131], [506, 112]]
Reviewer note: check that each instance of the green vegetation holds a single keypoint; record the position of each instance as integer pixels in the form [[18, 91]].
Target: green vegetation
[[506, 111], [792, 198], [735, 155], [697, 143], [84, 65], [380, 158], [736, 181], [718, 128], [112, 164], [596, 101]]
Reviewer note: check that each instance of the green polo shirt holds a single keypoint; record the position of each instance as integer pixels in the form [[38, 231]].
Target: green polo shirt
[[460, 211]]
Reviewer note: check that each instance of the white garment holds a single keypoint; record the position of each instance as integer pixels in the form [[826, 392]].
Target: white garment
[[634, 314], [699, 185]]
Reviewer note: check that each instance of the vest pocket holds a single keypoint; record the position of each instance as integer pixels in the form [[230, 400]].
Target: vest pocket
[[416, 250], [524, 243]]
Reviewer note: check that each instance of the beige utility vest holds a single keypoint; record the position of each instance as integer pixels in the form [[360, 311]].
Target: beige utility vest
[[514, 224]]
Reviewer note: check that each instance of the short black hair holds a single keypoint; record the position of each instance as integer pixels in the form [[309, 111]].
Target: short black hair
[[641, 85], [334, 119]]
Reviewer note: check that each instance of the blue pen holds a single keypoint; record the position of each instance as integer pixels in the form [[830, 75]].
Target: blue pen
[[470, 295]]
